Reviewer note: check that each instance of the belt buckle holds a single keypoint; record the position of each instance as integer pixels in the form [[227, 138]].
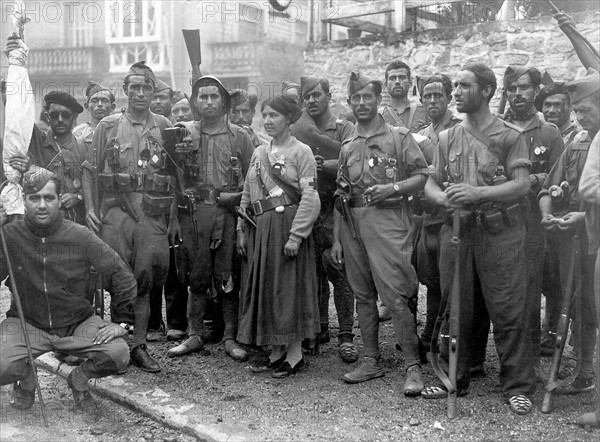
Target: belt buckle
[[257, 208]]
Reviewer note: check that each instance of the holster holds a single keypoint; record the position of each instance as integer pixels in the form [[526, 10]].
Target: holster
[[229, 201]]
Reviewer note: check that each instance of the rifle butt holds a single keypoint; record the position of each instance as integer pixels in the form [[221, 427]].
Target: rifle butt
[[192, 43], [451, 409], [547, 402]]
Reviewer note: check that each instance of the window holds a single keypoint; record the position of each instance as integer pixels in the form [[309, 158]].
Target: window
[[133, 21], [134, 33], [78, 31]]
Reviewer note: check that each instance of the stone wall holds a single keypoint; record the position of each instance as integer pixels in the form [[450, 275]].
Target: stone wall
[[537, 43]]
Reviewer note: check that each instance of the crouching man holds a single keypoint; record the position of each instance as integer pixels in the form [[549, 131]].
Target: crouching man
[[51, 259]]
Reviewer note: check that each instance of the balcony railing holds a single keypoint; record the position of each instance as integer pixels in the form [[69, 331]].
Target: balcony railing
[[67, 61], [241, 58]]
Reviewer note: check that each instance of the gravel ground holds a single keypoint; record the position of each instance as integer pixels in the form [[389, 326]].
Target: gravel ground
[[313, 405]]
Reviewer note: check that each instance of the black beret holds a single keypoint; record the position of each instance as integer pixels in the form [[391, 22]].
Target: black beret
[[64, 99], [547, 91]]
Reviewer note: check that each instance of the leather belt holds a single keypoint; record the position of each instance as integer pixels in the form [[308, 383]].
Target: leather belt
[[365, 201], [261, 206]]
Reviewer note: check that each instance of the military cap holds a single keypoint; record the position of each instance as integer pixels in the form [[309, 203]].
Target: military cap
[[289, 85], [512, 73], [140, 68], [35, 179], [208, 80], [238, 96], [161, 86], [584, 87], [177, 97], [64, 99], [307, 84], [547, 91], [358, 82], [92, 88]]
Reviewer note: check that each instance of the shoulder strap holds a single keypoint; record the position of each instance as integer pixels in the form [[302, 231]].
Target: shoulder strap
[[395, 117], [487, 141], [289, 190], [398, 148], [411, 115]]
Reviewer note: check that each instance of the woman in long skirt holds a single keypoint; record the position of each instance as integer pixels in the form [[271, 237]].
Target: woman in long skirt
[[278, 300]]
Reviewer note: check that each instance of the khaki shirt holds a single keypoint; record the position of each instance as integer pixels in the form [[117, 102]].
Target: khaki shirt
[[370, 159], [394, 118], [214, 151]]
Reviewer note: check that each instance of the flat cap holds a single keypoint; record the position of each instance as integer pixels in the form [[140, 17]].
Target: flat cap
[[584, 87], [64, 99], [177, 97], [161, 86], [307, 84], [92, 88], [358, 82], [140, 68], [35, 179], [547, 91], [512, 73]]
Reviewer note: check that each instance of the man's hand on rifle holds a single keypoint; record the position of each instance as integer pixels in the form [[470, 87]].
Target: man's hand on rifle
[[380, 192], [3, 215], [549, 222], [462, 193], [336, 253], [571, 220], [174, 232], [564, 21], [69, 200], [108, 332], [92, 221], [20, 162], [320, 161]]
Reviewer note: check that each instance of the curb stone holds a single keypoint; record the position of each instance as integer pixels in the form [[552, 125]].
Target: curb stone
[[152, 402]]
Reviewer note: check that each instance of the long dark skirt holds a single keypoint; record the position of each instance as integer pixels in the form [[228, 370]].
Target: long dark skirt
[[278, 298]]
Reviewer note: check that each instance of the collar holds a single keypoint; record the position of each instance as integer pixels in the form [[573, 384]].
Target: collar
[[444, 121], [51, 142], [570, 128], [331, 122], [149, 123], [44, 232], [380, 129], [221, 128], [533, 121]]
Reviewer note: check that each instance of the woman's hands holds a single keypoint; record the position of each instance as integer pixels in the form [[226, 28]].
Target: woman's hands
[[291, 248]]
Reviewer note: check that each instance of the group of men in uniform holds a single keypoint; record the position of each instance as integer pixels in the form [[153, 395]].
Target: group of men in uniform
[[169, 170]]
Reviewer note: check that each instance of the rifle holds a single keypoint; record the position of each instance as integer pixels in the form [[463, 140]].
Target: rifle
[[97, 276], [454, 322], [17, 299], [192, 44], [572, 292]]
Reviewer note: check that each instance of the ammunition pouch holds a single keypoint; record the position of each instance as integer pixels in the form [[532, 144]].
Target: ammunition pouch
[[156, 183], [125, 183], [107, 182], [492, 220], [154, 205]]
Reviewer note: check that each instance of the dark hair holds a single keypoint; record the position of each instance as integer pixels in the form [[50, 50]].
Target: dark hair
[[284, 106], [440, 78], [324, 82], [484, 75], [396, 65]]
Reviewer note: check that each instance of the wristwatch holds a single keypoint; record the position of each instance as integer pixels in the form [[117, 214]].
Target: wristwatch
[[396, 188]]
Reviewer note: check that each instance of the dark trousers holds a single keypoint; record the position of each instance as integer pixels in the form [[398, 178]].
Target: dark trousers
[[551, 288], [588, 318], [534, 252], [100, 360], [343, 297], [492, 274], [176, 295]]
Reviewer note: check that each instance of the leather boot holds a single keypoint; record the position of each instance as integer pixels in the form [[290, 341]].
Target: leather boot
[[83, 400], [414, 383], [369, 369], [23, 399], [141, 358], [233, 349], [190, 345]]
